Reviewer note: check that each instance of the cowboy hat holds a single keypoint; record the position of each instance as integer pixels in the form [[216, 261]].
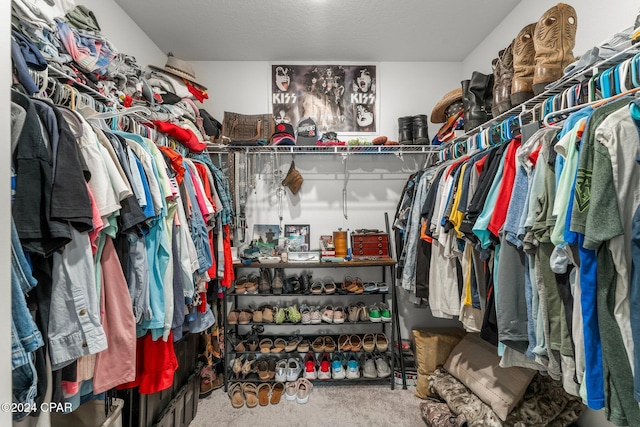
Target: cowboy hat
[[437, 115], [179, 68]]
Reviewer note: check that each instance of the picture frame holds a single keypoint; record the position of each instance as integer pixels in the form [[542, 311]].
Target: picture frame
[[341, 98], [298, 236], [266, 234]]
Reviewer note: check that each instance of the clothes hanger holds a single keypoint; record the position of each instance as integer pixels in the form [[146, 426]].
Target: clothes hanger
[[125, 111]]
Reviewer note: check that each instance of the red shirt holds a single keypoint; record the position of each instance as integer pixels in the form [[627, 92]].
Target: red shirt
[[506, 187]]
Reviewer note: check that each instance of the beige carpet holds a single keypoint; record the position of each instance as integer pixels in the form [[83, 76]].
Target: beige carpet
[[373, 405]]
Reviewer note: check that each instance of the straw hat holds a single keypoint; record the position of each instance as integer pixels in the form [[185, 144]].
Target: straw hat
[[437, 115], [179, 68]]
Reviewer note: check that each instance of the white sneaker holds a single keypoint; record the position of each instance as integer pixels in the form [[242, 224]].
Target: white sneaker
[[382, 367], [337, 369], [293, 369], [310, 366], [327, 314], [291, 390], [353, 368], [281, 371], [369, 367], [304, 389], [316, 318]]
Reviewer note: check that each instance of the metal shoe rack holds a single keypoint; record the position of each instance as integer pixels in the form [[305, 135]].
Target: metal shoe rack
[[310, 331]]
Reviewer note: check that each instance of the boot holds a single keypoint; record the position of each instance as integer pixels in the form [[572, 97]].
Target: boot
[[466, 102], [554, 40], [495, 66], [405, 130], [505, 61], [477, 100], [420, 129], [523, 66]]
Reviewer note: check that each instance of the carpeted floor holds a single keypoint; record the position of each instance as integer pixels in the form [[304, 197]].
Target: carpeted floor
[[372, 405]]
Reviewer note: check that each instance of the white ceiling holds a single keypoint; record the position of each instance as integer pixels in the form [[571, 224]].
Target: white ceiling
[[319, 30]]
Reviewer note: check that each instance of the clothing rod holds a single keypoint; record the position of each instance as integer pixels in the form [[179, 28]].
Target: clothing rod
[[554, 90]]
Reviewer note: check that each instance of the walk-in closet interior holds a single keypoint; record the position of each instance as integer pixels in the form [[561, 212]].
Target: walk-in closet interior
[[320, 212]]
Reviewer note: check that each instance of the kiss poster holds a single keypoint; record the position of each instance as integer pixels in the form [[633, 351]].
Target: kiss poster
[[340, 98]]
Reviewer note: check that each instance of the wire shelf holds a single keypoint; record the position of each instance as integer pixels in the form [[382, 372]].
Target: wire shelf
[[343, 149]]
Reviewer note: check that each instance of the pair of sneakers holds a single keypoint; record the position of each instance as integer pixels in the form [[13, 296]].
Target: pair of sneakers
[[331, 314], [288, 370], [375, 366], [289, 314], [310, 315], [298, 390], [379, 313]]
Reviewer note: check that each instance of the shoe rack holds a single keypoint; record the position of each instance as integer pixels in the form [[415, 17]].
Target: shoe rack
[[239, 301]]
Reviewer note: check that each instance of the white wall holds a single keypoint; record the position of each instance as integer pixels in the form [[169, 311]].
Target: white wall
[[5, 215], [597, 21], [406, 88], [375, 183], [125, 34]]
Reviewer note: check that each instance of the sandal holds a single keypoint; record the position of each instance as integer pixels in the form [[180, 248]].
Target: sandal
[[250, 394], [356, 342], [346, 282], [265, 345], [329, 286], [264, 390], [237, 343], [317, 288], [303, 347], [236, 395], [318, 345], [368, 342], [329, 344], [343, 343], [370, 287], [382, 343], [292, 345], [276, 393], [279, 345]]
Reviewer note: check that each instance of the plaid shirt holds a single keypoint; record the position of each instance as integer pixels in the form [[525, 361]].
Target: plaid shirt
[[222, 186]]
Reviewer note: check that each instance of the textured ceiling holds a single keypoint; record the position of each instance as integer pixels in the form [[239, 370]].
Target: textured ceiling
[[319, 30]]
